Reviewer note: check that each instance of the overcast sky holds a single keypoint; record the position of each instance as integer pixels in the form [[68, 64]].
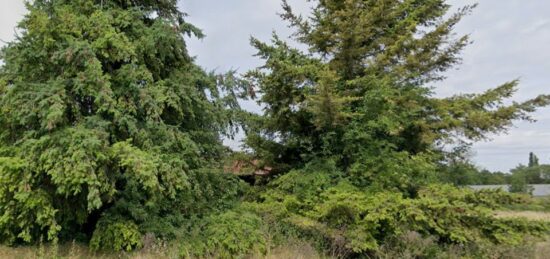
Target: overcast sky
[[511, 40]]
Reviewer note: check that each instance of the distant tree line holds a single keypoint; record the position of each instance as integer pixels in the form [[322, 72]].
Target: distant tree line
[[465, 173]]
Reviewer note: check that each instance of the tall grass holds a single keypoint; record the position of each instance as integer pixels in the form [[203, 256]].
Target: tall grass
[[531, 215], [78, 251], [410, 245]]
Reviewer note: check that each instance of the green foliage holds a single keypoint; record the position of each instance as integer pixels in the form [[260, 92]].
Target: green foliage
[[538, 174], [498, 198], [308, 182], [116, 235], [325, 106], [26, 213], [104, 114], [342, 217], [533, 160], [462, 173], [208, 192], [227, 235], [518, 183], [389, 170]]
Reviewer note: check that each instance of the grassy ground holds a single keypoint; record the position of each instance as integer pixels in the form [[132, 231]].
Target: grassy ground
[[295, 251], [540, 204], [531, 215], [542, 249], [77, 251], [74, 251]]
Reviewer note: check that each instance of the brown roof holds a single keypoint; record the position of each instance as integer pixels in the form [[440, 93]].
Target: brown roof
[[239, 167]]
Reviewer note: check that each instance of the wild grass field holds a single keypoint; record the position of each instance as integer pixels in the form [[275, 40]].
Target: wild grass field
[[540, 250], [79, 251]]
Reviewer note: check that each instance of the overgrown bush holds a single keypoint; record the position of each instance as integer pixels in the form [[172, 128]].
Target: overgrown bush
[[230, 234], [208, 192], [116, 235], [498, 198], [353, 220]]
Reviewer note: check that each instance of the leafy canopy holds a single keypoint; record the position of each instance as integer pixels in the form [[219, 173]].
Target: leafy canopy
[[105, 114]]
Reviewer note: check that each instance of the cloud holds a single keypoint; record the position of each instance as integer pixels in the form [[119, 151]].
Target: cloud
[[510, 41], [11, 12], [229, 26]]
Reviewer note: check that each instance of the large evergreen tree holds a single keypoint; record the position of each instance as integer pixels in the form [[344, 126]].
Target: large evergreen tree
[[356, 120], [362, 93], [104, 116]]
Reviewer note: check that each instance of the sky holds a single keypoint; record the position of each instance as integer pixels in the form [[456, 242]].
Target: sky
[[511, 40]]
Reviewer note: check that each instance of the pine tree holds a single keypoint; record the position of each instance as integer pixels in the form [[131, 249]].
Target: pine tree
[[380, 56], [104, 116], [533, 160], [358, 137]]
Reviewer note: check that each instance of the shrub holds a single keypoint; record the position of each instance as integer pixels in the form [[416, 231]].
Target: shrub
[[353, 220], [226, 235], [116, 235]]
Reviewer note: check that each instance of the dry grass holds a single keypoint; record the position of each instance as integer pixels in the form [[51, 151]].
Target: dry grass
[[25, 252], [543, 250], [76, 251], [295, 251], [531, 215], [298, 250]]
